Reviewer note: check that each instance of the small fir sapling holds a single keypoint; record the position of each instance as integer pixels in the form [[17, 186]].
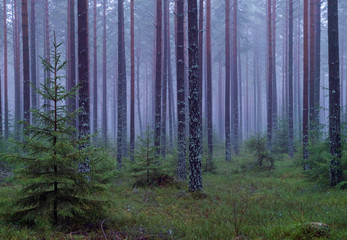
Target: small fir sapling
[[52, 188]]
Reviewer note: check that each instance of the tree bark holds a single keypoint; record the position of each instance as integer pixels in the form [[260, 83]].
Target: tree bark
[[95, 73], [181, 103], [270, 75], [26, 67], [132, 80], [306, 88], [227, 82], [335, 171], [33, 52], [290, 82], [195, 177], [5, 72], [104, 77], [235, 90]]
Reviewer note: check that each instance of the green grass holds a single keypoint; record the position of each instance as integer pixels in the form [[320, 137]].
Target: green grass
[[272, 204]]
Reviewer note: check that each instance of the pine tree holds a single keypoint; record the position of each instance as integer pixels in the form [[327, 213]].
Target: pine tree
[[52, 186]]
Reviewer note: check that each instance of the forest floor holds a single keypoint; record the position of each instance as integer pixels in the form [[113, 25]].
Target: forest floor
[[276, 204]]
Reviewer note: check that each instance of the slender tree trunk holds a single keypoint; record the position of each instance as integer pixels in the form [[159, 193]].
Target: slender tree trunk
[[312, 69], [83, 68], [335, 171], [317, 59], [270, 75], [201, 62], [71, 81], [181, 103], [104, 77], [306, 87], [195, 177], [274, 75], [290, 79], [95, 73], [16, 55], [138, 91], [26, 67], [33, 52], [132, 80], [5, 71], [122, 88], [47, 51], [227, 82], [235, 90], [209, 84], [158, 80], [164, 81]]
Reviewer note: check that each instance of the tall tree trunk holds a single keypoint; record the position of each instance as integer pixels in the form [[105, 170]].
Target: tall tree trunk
[[209, 84], [104, 78], [122, 88], [71, 81], [83, 67], [5, 71], [95, 73], [158, 80], [26, 67], [312, 69], [270, 75], [132, 80], [16, 55], [290, 79], [306, 87], [235, 90], [274, 75], [227, 82], [138, 90], [335, 171], [164, 81], [317, 59], [47, 51], [33, 52], [201, 62], [195, 177], [181, 103]]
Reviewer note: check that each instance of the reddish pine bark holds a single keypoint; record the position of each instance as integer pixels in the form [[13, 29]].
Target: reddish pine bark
[[26, 67]]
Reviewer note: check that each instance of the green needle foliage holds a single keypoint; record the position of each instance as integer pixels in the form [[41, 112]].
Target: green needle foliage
[[52, 187]]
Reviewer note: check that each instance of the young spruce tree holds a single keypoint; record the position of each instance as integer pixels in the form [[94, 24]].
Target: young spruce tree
[[52, 186]]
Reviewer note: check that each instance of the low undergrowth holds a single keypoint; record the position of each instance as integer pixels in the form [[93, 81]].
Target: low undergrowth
[[257, 204]]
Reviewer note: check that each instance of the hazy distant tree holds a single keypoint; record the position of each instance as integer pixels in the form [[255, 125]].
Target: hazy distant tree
[[274, 75], [209, 84], [312, 67], [306, 87], [47, 51], [83, 67], [195, 177], [104, 79], [269, 75], [234, 86], [26, 66], [95, 71], [334, 94], [227, 82], [158, 81], [122, 87], [181, 104], [170, 85], [5, 72], [71, 64], [290, 83], [132, 85], [33, 52]]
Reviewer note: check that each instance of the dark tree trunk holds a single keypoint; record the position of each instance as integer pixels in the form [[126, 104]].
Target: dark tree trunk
[[47, 51], [132, 80], [104, 78], [235, 90], [312, 69], [16, 55], [335, 171], [5, 72], [306, 88], [26, 66], [195, 177], [274, 77], [227, 82], [209, 84], [33, 53], [83, 67], [95, 73], [201, 61], [71, 76], [270, 75], [181, 103], [158, 79], [290, 79], [164, 81], [317, 59], [122, 88]]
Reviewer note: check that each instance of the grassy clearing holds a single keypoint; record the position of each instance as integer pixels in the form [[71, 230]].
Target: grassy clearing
[[257, 204]]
